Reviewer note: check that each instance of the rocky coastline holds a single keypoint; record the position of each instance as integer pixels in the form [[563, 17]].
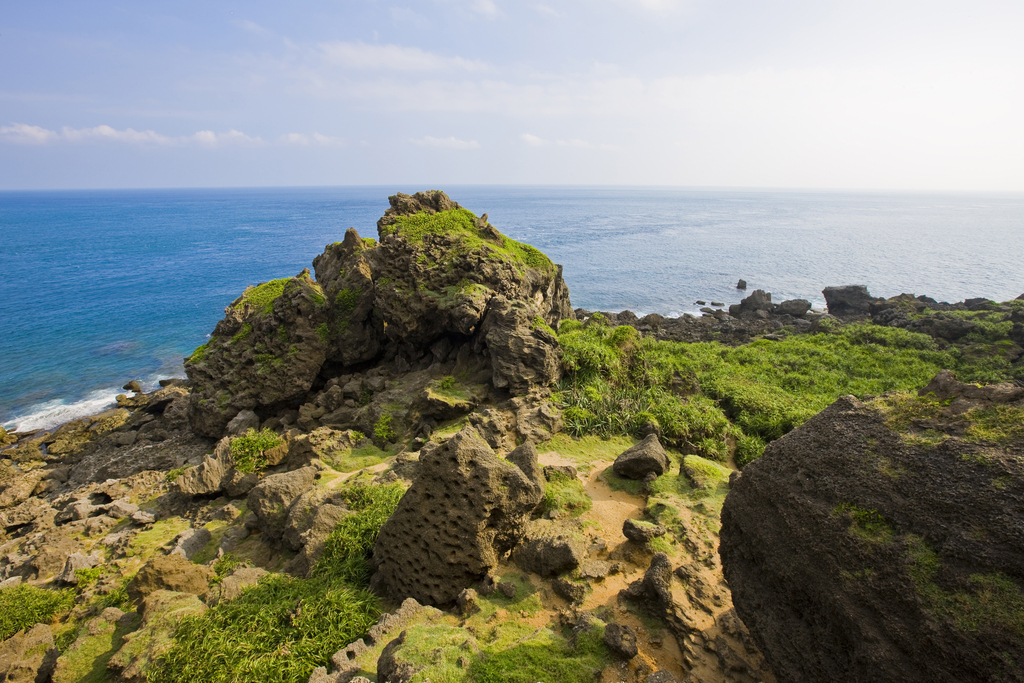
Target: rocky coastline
[[394, 426]]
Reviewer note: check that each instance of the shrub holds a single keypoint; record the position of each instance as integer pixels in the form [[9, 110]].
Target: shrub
[[383, 432], [248, 450], [23, 606]]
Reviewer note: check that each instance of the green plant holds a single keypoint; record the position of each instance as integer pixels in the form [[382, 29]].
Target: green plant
[[262, 296], [324, 332], [23, 606], [383, 431], [868, 525], [242, 333], [446, 383], [281, 629], [248, 451], [175, 473], [346, 299]]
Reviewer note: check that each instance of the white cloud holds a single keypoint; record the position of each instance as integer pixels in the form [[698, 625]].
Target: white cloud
[[486, 8], [21, 133], [252, 27], [24, 134], [408, 15], [360, 55], [208, 138], [315, 139], [446, 143], [533, 140], [129, 135]]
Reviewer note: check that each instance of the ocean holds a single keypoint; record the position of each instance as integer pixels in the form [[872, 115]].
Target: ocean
[[101, 287]]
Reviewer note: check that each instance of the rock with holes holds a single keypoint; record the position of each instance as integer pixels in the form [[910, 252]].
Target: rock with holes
[[466, 508]]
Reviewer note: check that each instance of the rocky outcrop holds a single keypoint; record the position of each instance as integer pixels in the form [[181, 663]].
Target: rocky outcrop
[[345, 271], [441, 289], [271, 499], [27, 657], [549, 548], [267, 350], [878, 541], [466, 508]]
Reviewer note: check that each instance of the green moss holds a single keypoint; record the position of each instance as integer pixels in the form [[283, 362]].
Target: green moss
[[175, 473], [324, 332], [563, 493], [984, 601], [86, 660], [369, 242], [262, 296], [543, 656], [868, 525], [199, 354], [461, 225], [705, 474], [23, 606], [347, 299], [163, 531], [248, 451], [997, 424], [587, 449], [242, 334], [351, 460], [282, 334]]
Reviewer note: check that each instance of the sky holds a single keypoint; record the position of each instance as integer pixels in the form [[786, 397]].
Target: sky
[[894, 95]]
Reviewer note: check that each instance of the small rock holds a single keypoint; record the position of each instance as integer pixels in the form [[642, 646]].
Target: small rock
[[742, 284], [621, 640], [640, 531], [569, 590], [120, 509], [660, 677], [75, 562], [190, 542], [133, 386], [169, 572], [466, 602], [243, 422], [507, 589], [143, 518], [637, 461]]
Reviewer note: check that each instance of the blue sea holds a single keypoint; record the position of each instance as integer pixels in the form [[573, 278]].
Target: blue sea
[[100, 287]]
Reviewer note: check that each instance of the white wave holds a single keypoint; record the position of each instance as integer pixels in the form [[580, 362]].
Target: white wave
[[58, 411]]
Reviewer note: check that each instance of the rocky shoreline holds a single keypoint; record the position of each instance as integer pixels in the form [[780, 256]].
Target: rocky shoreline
[[429, 360]]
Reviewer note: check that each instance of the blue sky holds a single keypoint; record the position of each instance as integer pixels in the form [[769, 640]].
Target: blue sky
[[859, 95]]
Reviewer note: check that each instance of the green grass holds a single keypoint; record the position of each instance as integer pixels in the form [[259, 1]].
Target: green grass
[[563, 493], [86, 660], [199, 354], [350, 460], [284, 627], [262, 296], [544, 656], [617, 382], [248, 451], [242, 334], [461, 225], [588, 448], [23, 606], [324, 332]]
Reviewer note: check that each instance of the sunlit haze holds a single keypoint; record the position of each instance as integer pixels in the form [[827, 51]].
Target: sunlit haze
[[847, 95]]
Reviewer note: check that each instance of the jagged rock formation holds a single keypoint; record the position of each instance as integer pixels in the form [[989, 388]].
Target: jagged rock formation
[[441, 286], [880, 541], [267, 350], [466, 508]]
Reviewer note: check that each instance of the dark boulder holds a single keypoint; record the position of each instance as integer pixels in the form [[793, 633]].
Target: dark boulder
[[793, 307], [848, 300], [857, 551], [637, 461]]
